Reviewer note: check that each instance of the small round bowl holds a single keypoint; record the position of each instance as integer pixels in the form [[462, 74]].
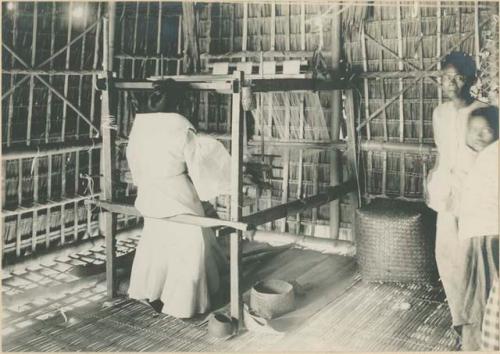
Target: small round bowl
[[272, 298]]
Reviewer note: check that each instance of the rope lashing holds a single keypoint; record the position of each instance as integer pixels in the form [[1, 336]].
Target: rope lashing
[[109, 122]]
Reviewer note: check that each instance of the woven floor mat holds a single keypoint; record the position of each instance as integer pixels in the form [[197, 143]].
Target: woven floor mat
[[125, 326]]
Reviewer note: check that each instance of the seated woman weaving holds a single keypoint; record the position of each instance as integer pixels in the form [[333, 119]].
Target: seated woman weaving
[[178, 264]]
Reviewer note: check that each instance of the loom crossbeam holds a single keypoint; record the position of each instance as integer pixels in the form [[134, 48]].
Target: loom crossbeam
[[248, 222]]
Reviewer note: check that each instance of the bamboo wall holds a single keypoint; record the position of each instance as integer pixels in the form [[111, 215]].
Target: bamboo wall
[[50, 155], [421, 36], [237, 28], [43, 183]]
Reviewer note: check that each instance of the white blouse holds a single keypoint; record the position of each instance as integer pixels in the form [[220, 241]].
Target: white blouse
[[479, 207], [455, 157], [163, 149]]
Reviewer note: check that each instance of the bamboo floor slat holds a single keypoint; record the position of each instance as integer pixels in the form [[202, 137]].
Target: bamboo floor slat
[[335, 312]]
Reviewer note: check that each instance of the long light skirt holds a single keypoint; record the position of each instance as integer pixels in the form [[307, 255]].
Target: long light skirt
[[177, 264]]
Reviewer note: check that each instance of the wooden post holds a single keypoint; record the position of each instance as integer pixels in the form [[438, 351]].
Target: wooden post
[[158, 38], [421, 100], [245, 28], [49, 197], [236, 195], [18, 235], [273, 26], [179, 45], [303, 26], [231, 30], [66, 78], [336, 117], [108, 152], [89, 210], [438, 45], [94, 66], [32, 78], [10, 115], [400, 63], [134, 43], [20, 183], [287, 27], [351, 145], [80, 79], [476, 33], [365, 81]]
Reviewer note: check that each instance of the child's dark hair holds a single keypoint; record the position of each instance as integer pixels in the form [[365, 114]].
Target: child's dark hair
[[464, 64], [490, 113]]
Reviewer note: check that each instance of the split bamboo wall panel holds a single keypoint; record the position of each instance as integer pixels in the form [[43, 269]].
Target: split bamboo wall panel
[[50, 156], [228, 28], [399, 38]]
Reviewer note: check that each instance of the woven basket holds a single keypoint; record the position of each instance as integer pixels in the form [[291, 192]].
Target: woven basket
[[396, 242]]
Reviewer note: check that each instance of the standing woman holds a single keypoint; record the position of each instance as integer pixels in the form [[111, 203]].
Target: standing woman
[[178, 264], [455, 159]]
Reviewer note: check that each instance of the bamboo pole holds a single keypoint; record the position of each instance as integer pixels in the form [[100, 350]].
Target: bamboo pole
[[77, 171], [108, 153], [4, 175], [287, 27], [382, 85], [63, 224], [49, 174], [315, 192], [236, 197], [421, 103], [365, 82], [158, 37], [179, 45], [14, 154], [89, 210], [335, 120], [41, 72], [476, 33], [400, 64], [299, 188], [47, 229], [94, 67], [303, 26], [134, 38], [49, 197], [122, 42], [48, 205], [273, 26], [286, 174], [63, 175], [10, 115], [438, 47], [75, 222], [80, 79], [231, 30], [402, 179], [32, 82], [20, 183], [65, 94], [18, 235], [244, 40], [35, 175]]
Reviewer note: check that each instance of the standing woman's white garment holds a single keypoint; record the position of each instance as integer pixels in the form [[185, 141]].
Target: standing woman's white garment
[[443, 194], [176, 263]]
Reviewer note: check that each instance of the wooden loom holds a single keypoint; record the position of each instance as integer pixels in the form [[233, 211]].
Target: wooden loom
[[226, 84]]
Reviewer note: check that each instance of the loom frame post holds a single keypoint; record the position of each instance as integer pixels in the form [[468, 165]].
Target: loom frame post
[[108, 153], [237, 124]]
